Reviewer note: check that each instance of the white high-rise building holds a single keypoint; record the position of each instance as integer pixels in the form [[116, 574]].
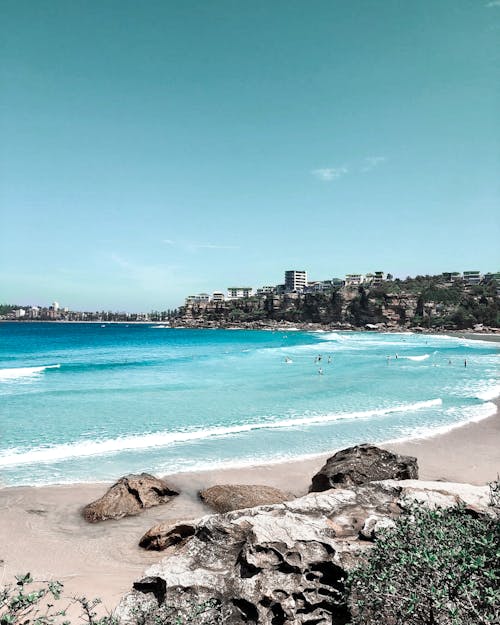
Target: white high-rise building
[[295, 280], [55, 305]]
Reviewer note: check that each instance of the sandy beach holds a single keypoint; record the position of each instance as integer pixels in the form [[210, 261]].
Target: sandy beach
[[42, 530]]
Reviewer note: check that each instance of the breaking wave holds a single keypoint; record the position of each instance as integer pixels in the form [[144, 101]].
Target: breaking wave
[[24, 372], [54, 453]]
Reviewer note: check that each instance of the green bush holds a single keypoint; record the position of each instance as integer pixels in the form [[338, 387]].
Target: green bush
[[435, 567], [41, 603]]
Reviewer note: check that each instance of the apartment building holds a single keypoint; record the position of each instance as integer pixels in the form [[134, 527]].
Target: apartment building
[[295, 280]]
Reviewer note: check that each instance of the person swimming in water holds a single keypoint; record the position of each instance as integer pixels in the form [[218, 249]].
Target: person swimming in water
[[320, 371]]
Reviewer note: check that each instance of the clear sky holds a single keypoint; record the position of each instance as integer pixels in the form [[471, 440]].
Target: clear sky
[[154, 149]]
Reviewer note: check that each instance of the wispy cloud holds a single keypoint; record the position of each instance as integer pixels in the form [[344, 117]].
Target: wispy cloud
[[212, 246], [492, 3], [327, 174], [149, 277], [370, 162], [193, 246]]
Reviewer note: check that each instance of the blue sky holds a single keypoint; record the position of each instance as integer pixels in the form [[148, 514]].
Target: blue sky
[[156, 149]]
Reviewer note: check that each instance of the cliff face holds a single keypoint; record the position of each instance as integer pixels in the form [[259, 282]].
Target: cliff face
[[410, 303]]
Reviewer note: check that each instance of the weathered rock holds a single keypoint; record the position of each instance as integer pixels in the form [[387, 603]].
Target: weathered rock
[[163, 535], [361, 464], [277, 564], [129, 496], [282, 563], [229, 497]]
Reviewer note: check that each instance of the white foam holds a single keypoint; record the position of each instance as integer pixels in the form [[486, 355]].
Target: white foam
[[490, 393], [475, 414], [65, 451], [24, 372], [415, 358]]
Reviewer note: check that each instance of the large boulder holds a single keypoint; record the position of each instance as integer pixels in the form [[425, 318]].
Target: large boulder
[[229, 497], [361, 464], [129, 496], [284, 563]]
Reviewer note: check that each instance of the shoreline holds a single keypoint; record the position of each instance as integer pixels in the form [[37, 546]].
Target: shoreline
[[485, 334], [103, 560]]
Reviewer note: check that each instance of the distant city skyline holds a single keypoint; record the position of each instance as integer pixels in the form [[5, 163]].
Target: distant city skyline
[[154, 150]]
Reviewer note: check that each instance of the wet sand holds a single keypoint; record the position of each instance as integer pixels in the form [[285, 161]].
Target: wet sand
[[42, 530]]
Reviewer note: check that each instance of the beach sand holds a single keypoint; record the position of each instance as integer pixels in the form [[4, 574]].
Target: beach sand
[[42, 530]]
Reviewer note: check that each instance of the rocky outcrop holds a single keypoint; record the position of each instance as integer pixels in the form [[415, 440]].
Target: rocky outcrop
[[361, 464], [229, 497], [282, 563], [129, 496]]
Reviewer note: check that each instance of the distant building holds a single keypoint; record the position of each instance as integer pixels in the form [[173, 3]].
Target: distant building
[[55, 306], [238, 292], [379, 277], [266, 290], [201, 298], [295, 280], [19, 313], [490, 277], [280, 289], [353, 279], [322, 286], [472, 277], [218, 296], [451, 276]]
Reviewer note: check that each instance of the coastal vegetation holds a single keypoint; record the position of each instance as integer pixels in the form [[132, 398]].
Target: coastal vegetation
[[434, 567]]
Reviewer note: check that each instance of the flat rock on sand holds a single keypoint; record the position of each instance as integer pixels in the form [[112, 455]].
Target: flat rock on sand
[[361, 464], [228, 497], [129, 496]]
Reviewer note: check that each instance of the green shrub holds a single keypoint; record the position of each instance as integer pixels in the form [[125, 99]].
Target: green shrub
[[41, 603], [435, 567]]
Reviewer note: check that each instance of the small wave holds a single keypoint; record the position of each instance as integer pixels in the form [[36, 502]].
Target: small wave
[[478, 413], [66, 451], [415, 358], [329, 336], [489, 394], [24, 372]]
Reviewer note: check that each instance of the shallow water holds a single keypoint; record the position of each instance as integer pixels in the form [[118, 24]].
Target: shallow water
[[81, 402]]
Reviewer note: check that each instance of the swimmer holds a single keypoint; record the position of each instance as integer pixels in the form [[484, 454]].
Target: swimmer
[[320, 371], [329, 359]]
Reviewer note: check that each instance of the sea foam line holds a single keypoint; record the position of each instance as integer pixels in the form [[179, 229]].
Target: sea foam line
[[24, 372], [88, 448]]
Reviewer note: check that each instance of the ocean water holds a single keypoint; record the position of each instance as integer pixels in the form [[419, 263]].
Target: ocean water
[[82, 402]]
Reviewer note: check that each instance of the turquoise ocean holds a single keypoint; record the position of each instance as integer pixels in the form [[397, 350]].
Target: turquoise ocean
[[85, 403]]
